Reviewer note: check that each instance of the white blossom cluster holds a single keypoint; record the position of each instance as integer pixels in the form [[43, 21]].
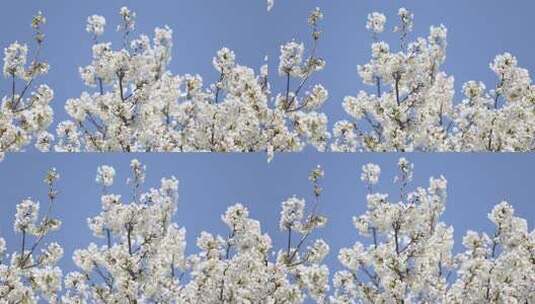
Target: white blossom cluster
[[410, 256], [412, 106], [270, 4], [29, 274], [143, 257], [105, 175], [25, 113], [140, 255], [497, 268], [134, 103], [370, 174], [138, 105], [143, 254]]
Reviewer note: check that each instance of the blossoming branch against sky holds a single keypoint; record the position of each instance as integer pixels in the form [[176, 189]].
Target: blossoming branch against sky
[[209, 184], [416, 93], [268, 76]]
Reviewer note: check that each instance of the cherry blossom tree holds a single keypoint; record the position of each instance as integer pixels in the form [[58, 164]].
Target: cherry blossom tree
[[135, 103], [31, 273], [411, 250], [143, 258], [138, 105], [410, 259], [412, 106], [411, 109], [501, 119], [497, 268], [140, 256], [25, 113]]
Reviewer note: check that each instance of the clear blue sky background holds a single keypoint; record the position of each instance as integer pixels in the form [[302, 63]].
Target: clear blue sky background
[[209, 183], [478, 30]]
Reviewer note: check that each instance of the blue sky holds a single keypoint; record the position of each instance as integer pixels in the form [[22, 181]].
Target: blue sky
[[478, 30], [209, 183]]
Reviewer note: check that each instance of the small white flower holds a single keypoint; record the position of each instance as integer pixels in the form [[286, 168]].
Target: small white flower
[[105, 175], [376, 22], [270, 4], [370, 174], [95, 25]]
